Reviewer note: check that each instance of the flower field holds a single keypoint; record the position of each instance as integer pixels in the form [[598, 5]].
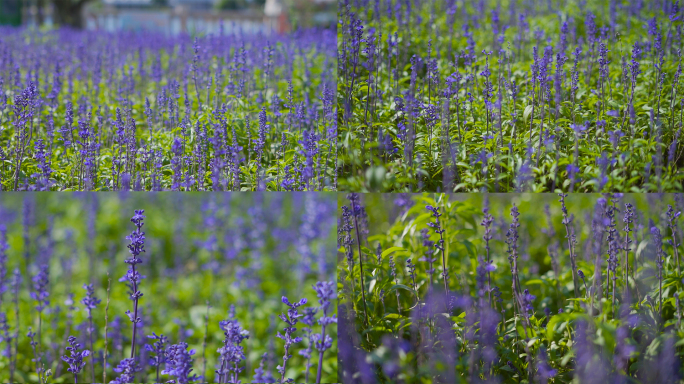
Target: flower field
[[515, 288], [505, 96], [167, 288], [104, 111]]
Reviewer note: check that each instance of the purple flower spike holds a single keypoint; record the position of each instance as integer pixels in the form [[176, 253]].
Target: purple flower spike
[[136, 247], [90, 301], [179, 364], [127, 369], [232, 353], [75, 360], [291, 319], [158, 349], [40, 292]]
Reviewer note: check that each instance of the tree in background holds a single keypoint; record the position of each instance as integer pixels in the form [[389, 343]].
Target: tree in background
[[239, 4], [69, 12], [10, 12]]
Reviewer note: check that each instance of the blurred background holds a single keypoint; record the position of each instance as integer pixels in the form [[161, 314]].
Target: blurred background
[[172, 16], [244, 250]]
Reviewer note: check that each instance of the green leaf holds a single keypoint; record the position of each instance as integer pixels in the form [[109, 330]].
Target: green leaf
[[390, 250], [399, 286], [391, 316], [528, 111]]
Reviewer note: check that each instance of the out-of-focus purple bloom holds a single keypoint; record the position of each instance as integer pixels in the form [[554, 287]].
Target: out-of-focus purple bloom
[[90, 301], [527, 300], [544, 370], [260, 375], [40, 292]]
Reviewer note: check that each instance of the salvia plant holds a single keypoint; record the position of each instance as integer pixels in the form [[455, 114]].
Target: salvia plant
[[75, 360], [510, 96], [230, 111], [186, 290], [586, 290]]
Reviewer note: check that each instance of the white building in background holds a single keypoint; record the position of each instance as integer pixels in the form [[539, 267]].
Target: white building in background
[[180, 16], [188, 16], [273, 8], [275, 17], [202, 17]]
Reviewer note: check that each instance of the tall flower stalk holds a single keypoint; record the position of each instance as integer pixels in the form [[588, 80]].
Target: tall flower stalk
[[36, 355], [346, 240], [357, 210], [487, 222], [232, 353], [437, 226], [512, 242], [136, 248], [428, 257], [41, 295], [325, 290], [158, 349], [291, 319], [5, 337], [75, 360], [90, 302], [570, 236], [660, 255], [308, 320], [393, 273], [16, 286], [628, 219], [672, 223], [613, 249]]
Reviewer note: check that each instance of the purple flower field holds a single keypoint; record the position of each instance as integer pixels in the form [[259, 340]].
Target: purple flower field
[[100, 111], [510, 96], [512, 174], [167, 288]]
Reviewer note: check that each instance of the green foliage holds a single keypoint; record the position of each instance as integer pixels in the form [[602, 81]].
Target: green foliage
[[412, 338]]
